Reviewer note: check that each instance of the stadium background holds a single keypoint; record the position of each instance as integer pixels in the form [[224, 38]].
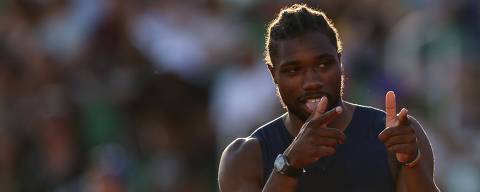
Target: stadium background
[[119, 95]]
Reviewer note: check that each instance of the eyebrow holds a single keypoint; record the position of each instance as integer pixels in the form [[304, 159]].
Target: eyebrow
[[296, 62], [289, 63], [324, 56]]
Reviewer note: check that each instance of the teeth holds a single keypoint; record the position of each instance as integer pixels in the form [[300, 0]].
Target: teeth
[[313, 100], [312, 104]]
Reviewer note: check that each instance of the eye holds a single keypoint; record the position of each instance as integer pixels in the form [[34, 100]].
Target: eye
[[291, 70], [322, 66]]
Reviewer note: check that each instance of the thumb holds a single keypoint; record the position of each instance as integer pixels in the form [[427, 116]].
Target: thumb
[[402, 120], [403, 117]]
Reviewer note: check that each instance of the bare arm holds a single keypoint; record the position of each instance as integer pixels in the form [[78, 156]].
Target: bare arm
[[240, 166], [241, 170], [420, 177], [405, 137], [241, 163]]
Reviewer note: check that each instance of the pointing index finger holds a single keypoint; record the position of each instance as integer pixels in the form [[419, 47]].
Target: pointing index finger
[[390, 109], [322, 118], [320, 109], [328, 116], [392, 119]]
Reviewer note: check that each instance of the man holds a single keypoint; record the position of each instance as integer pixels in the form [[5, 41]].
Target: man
[[324, 143]]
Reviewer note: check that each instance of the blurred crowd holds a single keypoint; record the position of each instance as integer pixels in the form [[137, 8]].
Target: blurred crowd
[[121, 95]]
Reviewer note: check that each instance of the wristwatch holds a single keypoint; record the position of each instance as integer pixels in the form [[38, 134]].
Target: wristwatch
[[283, 166]]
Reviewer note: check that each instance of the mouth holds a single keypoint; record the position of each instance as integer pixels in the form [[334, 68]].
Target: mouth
[[311, 101], [311, 104]]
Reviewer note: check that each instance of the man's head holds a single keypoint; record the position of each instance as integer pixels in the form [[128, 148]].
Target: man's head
[[303, 53]]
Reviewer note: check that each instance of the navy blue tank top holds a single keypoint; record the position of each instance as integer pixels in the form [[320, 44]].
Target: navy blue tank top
[[359, 165]]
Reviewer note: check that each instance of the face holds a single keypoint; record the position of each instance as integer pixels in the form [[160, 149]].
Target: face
[[305, 69]]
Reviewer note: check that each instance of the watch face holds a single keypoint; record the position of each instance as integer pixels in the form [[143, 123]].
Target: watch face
[[279, 163]]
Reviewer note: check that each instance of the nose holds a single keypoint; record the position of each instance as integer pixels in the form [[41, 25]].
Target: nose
[[312, 80]]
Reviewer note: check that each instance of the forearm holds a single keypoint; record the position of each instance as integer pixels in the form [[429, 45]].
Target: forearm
[[417, 178], [281, 183]]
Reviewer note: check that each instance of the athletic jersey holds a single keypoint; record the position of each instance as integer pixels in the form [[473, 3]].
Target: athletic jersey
[[359, 165]]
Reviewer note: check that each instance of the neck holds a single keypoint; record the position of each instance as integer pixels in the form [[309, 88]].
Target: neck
[[294, 124]]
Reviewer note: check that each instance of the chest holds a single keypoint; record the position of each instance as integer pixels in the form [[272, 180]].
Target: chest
[[359, 165]]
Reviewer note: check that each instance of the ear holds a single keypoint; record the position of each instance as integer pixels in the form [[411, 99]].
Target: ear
[[272, 72]]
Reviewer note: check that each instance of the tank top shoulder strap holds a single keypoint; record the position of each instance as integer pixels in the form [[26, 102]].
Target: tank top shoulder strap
[[366, 115], [274, 139]]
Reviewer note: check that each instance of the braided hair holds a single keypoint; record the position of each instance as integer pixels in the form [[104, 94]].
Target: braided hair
[[295, 21]]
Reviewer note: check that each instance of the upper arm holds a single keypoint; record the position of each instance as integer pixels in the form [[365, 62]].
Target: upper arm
[[240, 166]]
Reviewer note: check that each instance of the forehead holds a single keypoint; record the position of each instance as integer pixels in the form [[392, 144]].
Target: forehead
[[304, 47]]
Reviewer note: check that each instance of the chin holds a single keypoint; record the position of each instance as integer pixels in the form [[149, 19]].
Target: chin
[[300, 113], [303, 114]]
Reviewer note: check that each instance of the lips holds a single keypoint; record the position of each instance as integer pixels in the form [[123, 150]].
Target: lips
[[311, 100]]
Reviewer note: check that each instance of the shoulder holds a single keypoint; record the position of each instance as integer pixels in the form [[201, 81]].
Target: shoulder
[[268, 127], [240, 148], [240, 165], [368, 109]]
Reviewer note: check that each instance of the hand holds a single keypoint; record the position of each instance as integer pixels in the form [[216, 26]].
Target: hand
[[315, 140], [398, 136]]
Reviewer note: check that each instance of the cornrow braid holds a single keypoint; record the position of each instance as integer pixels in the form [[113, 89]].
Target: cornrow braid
[[295, 21]]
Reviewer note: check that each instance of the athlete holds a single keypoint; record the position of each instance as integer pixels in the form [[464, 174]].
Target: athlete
[[322, 142]]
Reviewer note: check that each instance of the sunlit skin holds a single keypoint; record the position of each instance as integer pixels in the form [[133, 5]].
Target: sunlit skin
[[392, 120], [309, 67]]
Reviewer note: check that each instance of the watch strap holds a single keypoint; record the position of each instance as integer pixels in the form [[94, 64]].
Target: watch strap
[[292, 171], [288, 169]]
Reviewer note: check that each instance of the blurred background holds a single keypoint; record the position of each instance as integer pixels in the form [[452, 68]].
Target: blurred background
[[123, 95]]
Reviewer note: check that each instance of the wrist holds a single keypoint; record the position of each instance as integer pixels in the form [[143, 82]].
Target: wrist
[[292, 161], [414, 162], [283, 166]]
